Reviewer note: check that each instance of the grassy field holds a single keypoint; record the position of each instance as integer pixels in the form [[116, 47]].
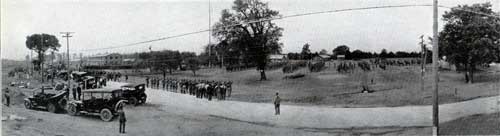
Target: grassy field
[[396, 86], [482, 124]]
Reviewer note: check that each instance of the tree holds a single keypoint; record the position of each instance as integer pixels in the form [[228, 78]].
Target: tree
[[166, 61], [252, 41], [341, 50], [469, 39], [383, 53], [41, 43], [323, 52], [306, 52], [192, 64]]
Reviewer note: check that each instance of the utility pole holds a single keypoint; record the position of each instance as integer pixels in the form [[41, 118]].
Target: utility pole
[[67, 35], [41, 58], [435, 54], [209, 32]]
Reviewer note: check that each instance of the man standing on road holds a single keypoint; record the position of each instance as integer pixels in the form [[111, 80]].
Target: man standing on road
[[79, 91], [126, 78], [147, 81], [277, 100], [7, 96], [74, 93], [122, 119]]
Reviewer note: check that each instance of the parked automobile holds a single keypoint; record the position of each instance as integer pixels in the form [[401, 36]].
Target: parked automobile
[[100, 102], [47, 97], [134, 93]]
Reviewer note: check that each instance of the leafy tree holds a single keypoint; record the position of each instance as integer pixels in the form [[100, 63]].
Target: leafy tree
[[470, 39], [193, 64], [252, 41], [341, 50], [391, 55], [383, 53], [323, 52], [40, 43], [166, 61], [306, 52]]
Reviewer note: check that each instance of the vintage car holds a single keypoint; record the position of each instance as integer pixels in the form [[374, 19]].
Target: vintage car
[[101, 102], [53, 100], [134, 93]]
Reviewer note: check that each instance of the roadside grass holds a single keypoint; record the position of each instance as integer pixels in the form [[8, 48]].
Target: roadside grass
[[481, 124]]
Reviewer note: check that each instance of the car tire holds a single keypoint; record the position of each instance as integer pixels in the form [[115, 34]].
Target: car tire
[[28, 105], [106, 115], [62, 103], [72, 110], [51, 108], [133, 101]]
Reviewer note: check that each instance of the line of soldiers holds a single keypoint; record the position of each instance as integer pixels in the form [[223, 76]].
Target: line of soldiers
[[114, 76], [199, 88]]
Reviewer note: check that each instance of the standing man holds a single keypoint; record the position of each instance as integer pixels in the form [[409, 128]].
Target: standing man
[[7, 96], [74, 93], [122, 119], [147, 81], [79, 91], [277, 100], [67, 92], [126, 78]]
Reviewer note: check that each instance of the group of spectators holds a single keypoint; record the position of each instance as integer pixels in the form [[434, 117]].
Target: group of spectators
[[199, 88]]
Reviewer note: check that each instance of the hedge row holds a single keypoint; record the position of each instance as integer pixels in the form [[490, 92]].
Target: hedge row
[[317, 67], [291, 67]]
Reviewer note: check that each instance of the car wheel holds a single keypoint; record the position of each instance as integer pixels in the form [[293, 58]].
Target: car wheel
[[51, 108], [72, 110], [132, 101], [106, 115], [62, 103], [28, 105]]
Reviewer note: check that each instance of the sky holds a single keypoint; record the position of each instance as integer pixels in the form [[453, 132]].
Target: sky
[[107, 23]]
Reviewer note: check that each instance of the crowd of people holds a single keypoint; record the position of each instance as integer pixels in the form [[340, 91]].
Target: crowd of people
[[199, 88]]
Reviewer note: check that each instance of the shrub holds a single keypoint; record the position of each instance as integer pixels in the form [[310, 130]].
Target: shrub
[[317, 67], [294, 76], [293, 66]]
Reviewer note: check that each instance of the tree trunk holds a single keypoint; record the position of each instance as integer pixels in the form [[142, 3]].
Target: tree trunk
[[471, 74], [263, 75]]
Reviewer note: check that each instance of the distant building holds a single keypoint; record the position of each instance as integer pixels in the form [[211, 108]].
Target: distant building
[[105, 59], [277, 57], [323, 57], [340, 57], [113, 59]]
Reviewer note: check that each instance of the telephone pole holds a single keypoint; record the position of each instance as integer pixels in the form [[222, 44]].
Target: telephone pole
[[67, 35], [209, 32], [435, 55]]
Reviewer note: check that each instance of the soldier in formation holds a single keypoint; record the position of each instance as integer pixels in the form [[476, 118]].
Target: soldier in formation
[[198, 88]]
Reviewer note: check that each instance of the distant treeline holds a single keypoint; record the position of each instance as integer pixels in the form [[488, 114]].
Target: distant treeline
[[356, 54]]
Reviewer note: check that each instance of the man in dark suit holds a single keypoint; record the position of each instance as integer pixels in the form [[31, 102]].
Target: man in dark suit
[[122, 119]]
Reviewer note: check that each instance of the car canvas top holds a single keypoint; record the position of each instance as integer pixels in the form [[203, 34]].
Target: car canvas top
[[131, 85], [100, 90]]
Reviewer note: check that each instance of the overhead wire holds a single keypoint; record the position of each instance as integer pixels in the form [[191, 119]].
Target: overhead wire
[[277, 18], [256, 21]]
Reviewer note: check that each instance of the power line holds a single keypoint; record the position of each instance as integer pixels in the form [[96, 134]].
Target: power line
[[282, 17], [255, 21]]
